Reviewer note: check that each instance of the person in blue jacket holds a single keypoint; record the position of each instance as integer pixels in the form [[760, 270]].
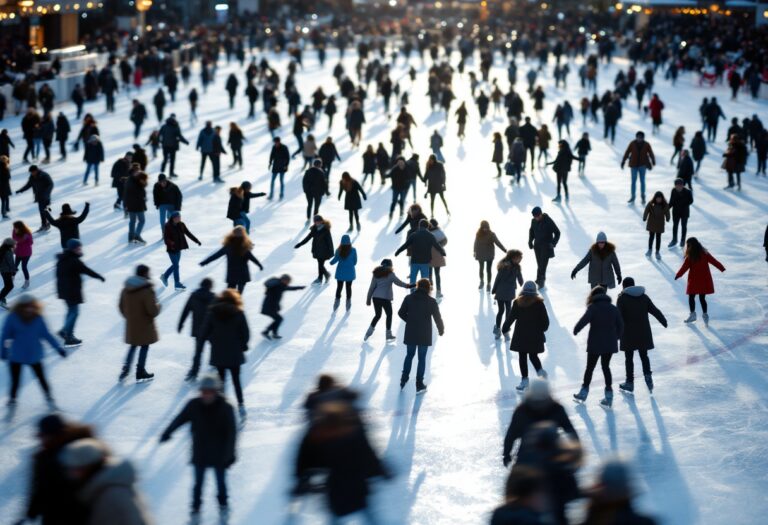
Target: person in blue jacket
[[346, 258], [23, 332]]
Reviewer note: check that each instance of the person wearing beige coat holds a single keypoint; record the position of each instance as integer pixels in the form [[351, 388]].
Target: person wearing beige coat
[[656, 214], [139, 306]]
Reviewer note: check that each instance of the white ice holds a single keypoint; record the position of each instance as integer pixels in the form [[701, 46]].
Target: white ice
[[699, 445]]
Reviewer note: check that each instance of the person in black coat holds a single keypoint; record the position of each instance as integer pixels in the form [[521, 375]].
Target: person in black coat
[[369, 164], [610, 499], [528, 338], [68, 222], [635, 306], [605, 329], [237, 248], [120, 173], [197, 305], [69, 286], [529, 134], [382, 161], [175, 235], [685, 169], [419, 245], [680, 201], [352, 202], [167, 198], [399, 176], [138, 116], [213, 429], [135, 204], [525, 499], [42, 187], [275, 287], [508, 276], [5, 185], [279, 158], [328, 391], [240, 205], [322, 246], [328, 154], [418, 310], [315, 186], [434, 178], [543, 236], [562, 166], [170, 139]]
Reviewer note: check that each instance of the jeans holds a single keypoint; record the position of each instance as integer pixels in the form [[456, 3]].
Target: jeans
[[23, 261], [135, 224], [221, 485], [165, 214], [629, 363], [398, 199], [37, 368], [640, 171], [281, 174], [605, 363], [175, 257], [422, 363], [169, 156], [143, 351], [419, 268], [244, 221], [95, 166], [73, 310], [378, 306]]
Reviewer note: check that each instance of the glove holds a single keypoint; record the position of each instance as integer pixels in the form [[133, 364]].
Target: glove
[[530, 246], [506, 460], [619, 279], [103, 280], [296, 247], [367, 303], [164, 438], [441, 332], [573, 275], [199, 243]]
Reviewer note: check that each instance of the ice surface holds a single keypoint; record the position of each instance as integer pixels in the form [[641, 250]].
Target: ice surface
[[699, 445]]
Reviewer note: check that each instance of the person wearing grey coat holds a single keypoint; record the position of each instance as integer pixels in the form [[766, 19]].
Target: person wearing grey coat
[[603, 264], [508, 276], [380, 294], [418, 310]]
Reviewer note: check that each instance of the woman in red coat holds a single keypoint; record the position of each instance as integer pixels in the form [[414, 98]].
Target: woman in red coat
[[696, 263], [654, 107]]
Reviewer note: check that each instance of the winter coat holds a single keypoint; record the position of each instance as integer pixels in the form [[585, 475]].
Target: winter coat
[[93, 152], [26, 339], [369, 162], [605, 326], [175, 236], [197, 305], [237, 265], [322, 242], [614, 515], [485, 246], [532, 322], [412, 221], [171, 194], [498, 152], [226, 328], [527, 414], [381, 284], [5, 181], [68, 225], [420, 244], [23, 244], [418, 310], [352, 196], [434, 177], [273, 294], [583, 147], [279, 158], [735, 158], [139, 306], [544, 233], [314, 183], [399, 178], [69, 283], [508, 276], [517, 153], [602, 266], [42, 187], [170, 135], [686, 169], [639, 156], [205, 140], [112, 498], [654, 108], [515, 514], [563, 161], [635, 307], [438, 259], [134, 195], [528, 134], [700, 278], [698, 148], [655, 215], [680, 202], [328, 154], [62, 128], [119, 173], [213, 429], [345, 271], [544, 137]]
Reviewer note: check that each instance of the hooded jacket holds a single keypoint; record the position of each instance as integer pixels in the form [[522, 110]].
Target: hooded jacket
[[700, 277], [322, 242], [602, 265], [531, 321], [605, 326], [508, 276], [273, 294], [418, 310], [635, 307], [112, 498], [381, 284], [345, 271], [69, 283], [226, 328], [139, 306], [197, 305], [26, 339]]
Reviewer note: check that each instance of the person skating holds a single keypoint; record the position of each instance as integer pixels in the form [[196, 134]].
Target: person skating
[[418, 310], [236, 247], [352, 191], [346, 258], [655, 216], [5, 185], [420, 245], [498, 153], [197, 305], [6, 144], [639, 155], [175, 235], [381, 296], [322, 246], [240, 205], [213, 429], [543, 236], [369, 164], [680, 201], [412, 219], [210, 146], [279, 158], [528, 338], [69, 286], [231, 88], [484, 252], [508, 276], [328, 154], [437, 263], [655, 106], [525, 499], [328, 390], [529, 135], [635, 307], [24, 330], [159, 102], [7, 269], [62, 134], [235, 141], [42, 188], [583, 147], [685, 169], [119, 174], [135, 205], [275, 287], [22, 236], [68, 222], [315, 186], [610, 499], [400, 184], [603, 264], [735, 161], [138, 305], [170, 139], [562, 166], [434, 178], [543, 136], [167, 198], [138, 116], [678, 142], [698, 148], [696, 263]]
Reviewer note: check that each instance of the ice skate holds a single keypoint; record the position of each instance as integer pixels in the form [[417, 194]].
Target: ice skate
[[25, 285], [72, 341], [607, 401], [241, 411], [648, 253], [123, 374], [164, 280], [672, 243], [390, 336], [628, 387], [497, 331], [142, 375], [658, 256], [691, 318], [403, 381], [368, 333], [336, 303], [582, 395], [542, 374], [705, 317], [421, 388], [649, 382], [266, 335], [348, 304], [523, 385]]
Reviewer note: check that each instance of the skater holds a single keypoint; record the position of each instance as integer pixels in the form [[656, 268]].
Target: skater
[[210, 146], [22, 236], [7, 269], [69, 286], [369, 164], [24, 330], [175, 235], [139, 307], [543, 136], [170, 139], [271, 305], [698, 148], [235, 141], [655, 215], [485, 251], [641, 159], [680, 201], [138, 116], [279, 158], [214, 433], [562, 166], [438, 261], [315, 186], [610, 500], [508, 276], [434, 178], [419, 245], [436, 145], [135, 204], [635, 307], [685, 169], [93, 155], [529, 135], [696, 262], [400, 184], [654, 108], [62, 134], [68, 222], [525, 494], [678, 141], [322, 246], [231, 88], [159, 102], [528, 338], [603, 263], [498, 153], [735, 161], [418, 310], [226, 328], [515, 164], [380, 294], [197, 305], [119, 174], [5, 185], [42, 188], [583, 147], [237, 248], [167, 198], [543, 236], [240, 205], [346, 258], [352, 203], [605, 329]]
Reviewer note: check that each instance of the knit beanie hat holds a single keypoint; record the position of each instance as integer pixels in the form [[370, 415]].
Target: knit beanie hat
[[8, 242], [601, 237], [530, 288], [209, 382], [83, 453]]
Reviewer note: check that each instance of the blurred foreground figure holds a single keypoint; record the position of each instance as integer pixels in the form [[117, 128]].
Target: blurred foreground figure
[[610, 500], [525, 499]]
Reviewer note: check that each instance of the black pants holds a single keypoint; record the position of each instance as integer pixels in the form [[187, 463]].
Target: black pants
[[23, 261], [378, 306], [199, 345], [487, 270], [605, 363], [237, 157], [221, 486], [651, 237], [609, 130], [711, 131], [214, 162], [6, 204], [629, 363], [169, 156], [731, 179], [562, 179], [300, 140], [432, 201], [47, 148], [63, 148], [691, 301], [683, 222], [436, 269], [542, 261], [136, 129], [37, 368], [29, 149], [523, 358], [277, 320], [313, 202], [237, 286], [344, 284], [7, 285], [234, 371], [761, 158], [321, 271], [533, 154], [354, 215], [504, 307]]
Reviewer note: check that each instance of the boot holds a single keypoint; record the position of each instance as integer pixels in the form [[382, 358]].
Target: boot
[[629, 387], [658, 256], [421, 388], [582, 395], [607, 401], [480, 287], [241, 411], [523, 385], [542, 373], [123, 373], [336, 303], [51, 403], [648, 253], [25, 285], [705, 316], [319, 280], [266, 335], [672, 243], [390, 336], [691, 318], [143, 375], [649, 382], [191, 376], [368, 333], [403, 381], [349, 304], [496, 331], [488, 287]]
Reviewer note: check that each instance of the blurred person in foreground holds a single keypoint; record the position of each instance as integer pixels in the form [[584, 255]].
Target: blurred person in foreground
[[610, 500], [525, 499]]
